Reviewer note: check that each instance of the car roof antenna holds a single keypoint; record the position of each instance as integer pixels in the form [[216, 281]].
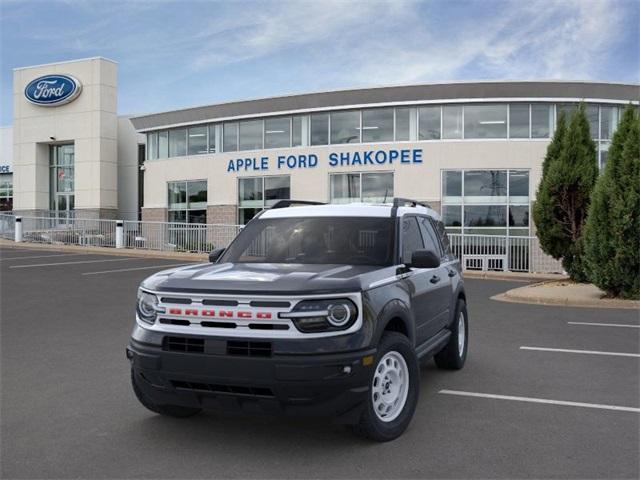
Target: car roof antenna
[[386, 191]]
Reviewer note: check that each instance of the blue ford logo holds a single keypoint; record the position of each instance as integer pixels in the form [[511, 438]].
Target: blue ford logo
[[53, 90]]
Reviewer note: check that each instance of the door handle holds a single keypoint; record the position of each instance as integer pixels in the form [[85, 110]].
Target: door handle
[[435, 279], [452, 273]]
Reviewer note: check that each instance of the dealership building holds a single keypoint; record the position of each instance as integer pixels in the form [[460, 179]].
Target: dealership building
[[473, 150]]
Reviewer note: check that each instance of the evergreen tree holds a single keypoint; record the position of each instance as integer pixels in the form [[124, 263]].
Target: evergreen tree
[[563, 197], [612, 233]]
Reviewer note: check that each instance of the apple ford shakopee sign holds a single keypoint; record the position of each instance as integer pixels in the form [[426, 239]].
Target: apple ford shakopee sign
[[53, 90]]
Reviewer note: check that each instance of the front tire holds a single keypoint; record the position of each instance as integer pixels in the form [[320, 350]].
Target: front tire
[[454, 354], [395, 385], [166, 410]]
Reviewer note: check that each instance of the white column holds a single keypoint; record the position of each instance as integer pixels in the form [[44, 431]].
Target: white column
[[18, 230], [119, 234]]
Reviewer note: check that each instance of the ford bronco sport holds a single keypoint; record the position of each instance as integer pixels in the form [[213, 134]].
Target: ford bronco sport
[[312, 309]]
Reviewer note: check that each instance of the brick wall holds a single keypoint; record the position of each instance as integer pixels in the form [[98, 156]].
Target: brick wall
[[222, 214], [154, 214]]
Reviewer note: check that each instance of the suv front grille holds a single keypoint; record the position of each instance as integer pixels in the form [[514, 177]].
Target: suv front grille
[[249, 349], [183, 344], [230, 389]]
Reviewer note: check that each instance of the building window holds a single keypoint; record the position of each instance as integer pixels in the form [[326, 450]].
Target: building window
[[452, 121], [188, 201], [163, 144], [592, 112], [374, 187], [320, 129], [257, 193], [212, 138], [277, 132], [197, 140], [345, 127], [487, 202], [403, 124], [485, 121], [296, 131], [6, 192], [541, 120], [61, 179], [230, 137], [152, 146], [251, 135], [608, 122], [429, 123], [377, 125], [519, 120], [178, 142]]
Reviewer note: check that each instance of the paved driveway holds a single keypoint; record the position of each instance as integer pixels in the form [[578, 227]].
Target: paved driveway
[[68, 410]]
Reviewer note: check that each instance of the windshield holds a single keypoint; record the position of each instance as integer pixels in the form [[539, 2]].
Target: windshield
[[335, 240]]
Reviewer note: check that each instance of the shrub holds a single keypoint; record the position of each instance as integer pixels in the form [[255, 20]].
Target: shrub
[[612, 233], [563, 198]]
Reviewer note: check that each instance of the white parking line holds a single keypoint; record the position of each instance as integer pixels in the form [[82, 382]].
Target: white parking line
[[128, 259], [542, 400], [622, 325], [42, 256], [588, 352], [138, 268]]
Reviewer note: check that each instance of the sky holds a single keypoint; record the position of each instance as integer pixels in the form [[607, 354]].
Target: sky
[[176, 54]]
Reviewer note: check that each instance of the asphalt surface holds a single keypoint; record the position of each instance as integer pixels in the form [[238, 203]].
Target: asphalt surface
[[68, 410]]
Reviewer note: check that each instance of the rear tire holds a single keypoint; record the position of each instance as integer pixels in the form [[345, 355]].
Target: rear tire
[[393, 396], [167, 410], [454, 354]]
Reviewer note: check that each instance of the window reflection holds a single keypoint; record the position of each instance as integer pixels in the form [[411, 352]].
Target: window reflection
[[485, 121], [345, 127], [377, 125]]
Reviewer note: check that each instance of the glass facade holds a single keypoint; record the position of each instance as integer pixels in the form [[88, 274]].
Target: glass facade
[[485, 121], [429, 123], [187, 201], [6, 192], [383, 124], [373, 187], [377, 125], [61, 179], [487, 202], [257, 193], [345, 127]]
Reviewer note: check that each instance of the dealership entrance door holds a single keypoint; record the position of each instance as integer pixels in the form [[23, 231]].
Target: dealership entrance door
[[61, 180]]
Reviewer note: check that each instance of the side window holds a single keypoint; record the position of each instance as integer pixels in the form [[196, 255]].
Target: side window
[[444, 238], [411, 238], [430, 238]]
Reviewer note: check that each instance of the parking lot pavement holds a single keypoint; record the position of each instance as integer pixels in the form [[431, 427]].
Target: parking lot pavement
[[546, 410]]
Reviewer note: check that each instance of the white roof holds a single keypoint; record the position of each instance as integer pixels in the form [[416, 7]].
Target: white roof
[[345, 210]]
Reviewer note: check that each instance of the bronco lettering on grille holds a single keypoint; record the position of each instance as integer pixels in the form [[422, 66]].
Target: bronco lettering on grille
[[208, 312]]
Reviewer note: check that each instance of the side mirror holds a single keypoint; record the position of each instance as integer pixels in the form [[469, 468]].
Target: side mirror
[[424, 259], [215, 254]]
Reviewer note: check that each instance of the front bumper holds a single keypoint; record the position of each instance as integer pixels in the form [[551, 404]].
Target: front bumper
[[317, 384]]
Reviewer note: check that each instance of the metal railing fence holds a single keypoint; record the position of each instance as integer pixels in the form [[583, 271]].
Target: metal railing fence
[[502, 253], [69, 231], [7, 226], [476, 252], [182, 237]]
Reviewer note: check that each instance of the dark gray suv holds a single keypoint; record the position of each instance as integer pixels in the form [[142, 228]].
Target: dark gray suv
[[314, 310]]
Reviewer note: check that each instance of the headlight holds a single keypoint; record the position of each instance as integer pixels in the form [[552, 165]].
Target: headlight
[[147, 306], [323, 315]]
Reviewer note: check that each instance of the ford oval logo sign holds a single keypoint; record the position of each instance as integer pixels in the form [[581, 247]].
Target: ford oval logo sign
[[53, 90]]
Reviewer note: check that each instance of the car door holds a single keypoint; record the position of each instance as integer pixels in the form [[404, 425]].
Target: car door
[[441, 278], [422, 289]]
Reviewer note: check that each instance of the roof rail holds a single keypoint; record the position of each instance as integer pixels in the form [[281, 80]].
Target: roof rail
[[406, 202], [291, 203]]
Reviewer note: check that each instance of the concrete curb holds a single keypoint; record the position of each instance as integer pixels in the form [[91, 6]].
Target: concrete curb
[[514, 276], [125, 252], [567, 296]]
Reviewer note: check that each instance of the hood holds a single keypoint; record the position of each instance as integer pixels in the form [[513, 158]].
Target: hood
[[265, 278]]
